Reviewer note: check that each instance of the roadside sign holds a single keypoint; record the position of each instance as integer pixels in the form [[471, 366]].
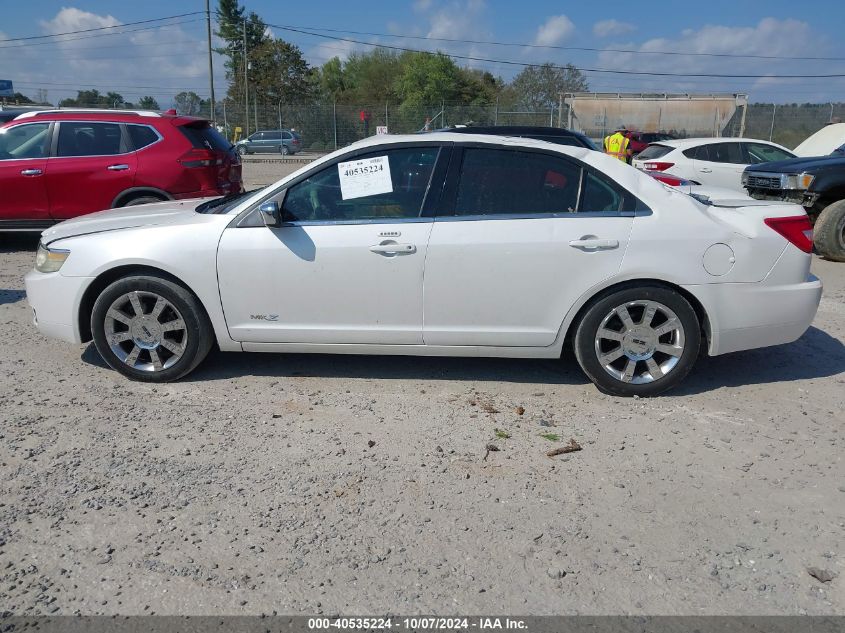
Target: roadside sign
[[6, 89], [381, 129]]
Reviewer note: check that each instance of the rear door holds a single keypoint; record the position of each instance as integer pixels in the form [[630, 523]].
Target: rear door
[[720, 165], [522, 235], [90, 166], [23, 162]]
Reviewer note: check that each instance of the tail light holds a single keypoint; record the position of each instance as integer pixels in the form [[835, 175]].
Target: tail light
[[200, 158], [657, 166], [797, 229]]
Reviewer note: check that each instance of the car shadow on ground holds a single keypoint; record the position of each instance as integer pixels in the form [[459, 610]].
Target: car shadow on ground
[[14, 242], [8, 295], [815, 355]]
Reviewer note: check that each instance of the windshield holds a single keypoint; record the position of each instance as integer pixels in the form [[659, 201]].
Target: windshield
[[219, 206]]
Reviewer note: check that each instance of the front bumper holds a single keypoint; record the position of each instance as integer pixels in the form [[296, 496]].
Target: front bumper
[[55, 302]]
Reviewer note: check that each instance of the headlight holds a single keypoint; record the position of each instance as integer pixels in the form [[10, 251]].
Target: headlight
[[798, 181], [49, 260]]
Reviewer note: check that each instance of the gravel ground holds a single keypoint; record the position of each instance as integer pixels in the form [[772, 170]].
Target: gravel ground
[[317, 484]]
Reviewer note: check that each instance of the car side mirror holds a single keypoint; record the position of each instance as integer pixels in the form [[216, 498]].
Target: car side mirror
[[271, 214]]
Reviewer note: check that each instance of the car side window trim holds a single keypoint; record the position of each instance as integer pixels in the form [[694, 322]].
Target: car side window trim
[[451, 190], [247, 218], [124, 141]]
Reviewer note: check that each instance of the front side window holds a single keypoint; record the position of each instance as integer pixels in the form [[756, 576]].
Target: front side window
[[89, 139], [24, 141], [386, 184], [762, 153], [505, 182]]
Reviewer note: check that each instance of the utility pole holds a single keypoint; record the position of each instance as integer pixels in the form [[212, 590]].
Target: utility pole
[[210, 62], [246, 87]]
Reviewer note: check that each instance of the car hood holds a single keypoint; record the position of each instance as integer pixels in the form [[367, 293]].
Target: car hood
[[797, 165], [157, 213]]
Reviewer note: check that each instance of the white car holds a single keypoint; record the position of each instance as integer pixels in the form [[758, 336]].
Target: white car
[[717, 162], [444, 244]]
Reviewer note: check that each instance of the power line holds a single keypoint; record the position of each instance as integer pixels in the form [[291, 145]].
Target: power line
[[100, 28], [533, 65], [86, 37], [560, 48]]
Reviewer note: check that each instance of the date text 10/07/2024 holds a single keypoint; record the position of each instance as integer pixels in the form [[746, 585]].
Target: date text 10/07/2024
[[418, 624]]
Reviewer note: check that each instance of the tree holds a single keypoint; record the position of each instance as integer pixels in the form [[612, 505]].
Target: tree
[[19, 98], [148, 103], [230, 28], [371, 77], [187, 103], [280, 73], [330, 81], [539, 87], [94, 99], [428, 79]]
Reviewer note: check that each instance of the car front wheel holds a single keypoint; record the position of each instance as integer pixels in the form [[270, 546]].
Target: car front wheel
[[638, 341], [150, 329]]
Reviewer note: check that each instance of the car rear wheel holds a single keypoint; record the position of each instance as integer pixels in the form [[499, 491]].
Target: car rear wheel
[[284, 150], [638, 341], [242, 150], [150, 329], [829, 232]]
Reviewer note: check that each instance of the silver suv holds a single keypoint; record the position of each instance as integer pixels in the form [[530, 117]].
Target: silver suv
[[285, 142]]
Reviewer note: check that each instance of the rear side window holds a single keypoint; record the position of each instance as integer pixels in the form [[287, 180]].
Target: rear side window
[[89, 139], [723, 153], [203, 136], [141, 136], [653, 152], [600, 195], [503, 182], [286, 135]]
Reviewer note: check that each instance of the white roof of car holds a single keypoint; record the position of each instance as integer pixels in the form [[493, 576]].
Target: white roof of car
[[684, 143]]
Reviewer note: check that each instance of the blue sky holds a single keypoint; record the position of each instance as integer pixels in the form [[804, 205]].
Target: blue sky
[[164, 60]]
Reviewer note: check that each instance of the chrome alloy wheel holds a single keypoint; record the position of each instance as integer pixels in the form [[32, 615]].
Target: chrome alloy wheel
[[145, 331], [639, 342]]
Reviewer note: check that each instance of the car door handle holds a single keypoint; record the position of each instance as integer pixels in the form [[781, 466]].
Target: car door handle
[[118, 167], [594, 244], [705, 170], [398, 249], [31, 172]]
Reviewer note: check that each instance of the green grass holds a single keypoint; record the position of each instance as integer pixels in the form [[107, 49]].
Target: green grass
[[552, 437], [502, 435]]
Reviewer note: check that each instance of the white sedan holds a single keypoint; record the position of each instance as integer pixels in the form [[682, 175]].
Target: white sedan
[[443, 244], [716, 162]]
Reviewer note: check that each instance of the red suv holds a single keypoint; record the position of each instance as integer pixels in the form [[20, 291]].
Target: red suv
[[58, 164]]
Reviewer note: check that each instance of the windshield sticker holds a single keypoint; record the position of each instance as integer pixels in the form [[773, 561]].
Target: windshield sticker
[[365, 177]]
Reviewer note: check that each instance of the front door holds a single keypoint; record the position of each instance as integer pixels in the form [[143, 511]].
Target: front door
[[346, 267], [23, 162], [91, 166], [527, 234]]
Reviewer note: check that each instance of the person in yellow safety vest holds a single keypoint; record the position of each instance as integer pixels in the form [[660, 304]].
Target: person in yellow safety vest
[[616, 145]]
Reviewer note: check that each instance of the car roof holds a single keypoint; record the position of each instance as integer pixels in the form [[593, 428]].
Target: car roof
[[509, 130], [120, 116], [684, 143]]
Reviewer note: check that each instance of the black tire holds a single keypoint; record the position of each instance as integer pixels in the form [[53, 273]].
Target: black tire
[[829, 232], [133, 202], [198, 329], [284, 150], [587, 349]]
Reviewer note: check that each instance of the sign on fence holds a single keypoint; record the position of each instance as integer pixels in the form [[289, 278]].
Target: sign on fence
[[381, 129], [6, 89]]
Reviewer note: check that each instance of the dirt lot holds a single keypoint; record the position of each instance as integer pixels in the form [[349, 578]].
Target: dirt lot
[[308, 484]]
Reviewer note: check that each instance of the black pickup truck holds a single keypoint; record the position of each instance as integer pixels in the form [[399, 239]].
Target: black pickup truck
[[817, 184]]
